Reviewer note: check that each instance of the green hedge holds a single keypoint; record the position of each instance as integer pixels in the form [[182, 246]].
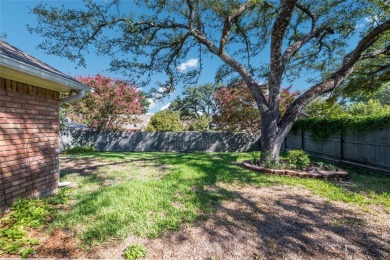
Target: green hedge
[[321, 128], [79, 149]]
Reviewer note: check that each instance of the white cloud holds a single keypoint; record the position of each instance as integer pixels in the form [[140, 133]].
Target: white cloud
[[152, 103], [165, 106], [371, 19], [191, 63]]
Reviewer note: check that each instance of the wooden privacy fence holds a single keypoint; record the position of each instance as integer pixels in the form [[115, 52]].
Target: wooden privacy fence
[[161, 141], [370, 149]]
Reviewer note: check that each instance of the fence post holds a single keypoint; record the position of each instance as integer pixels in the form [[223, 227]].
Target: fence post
[[303, 139]]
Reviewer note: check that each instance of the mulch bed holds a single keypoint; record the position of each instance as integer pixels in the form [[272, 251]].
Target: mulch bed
[[338, 174]]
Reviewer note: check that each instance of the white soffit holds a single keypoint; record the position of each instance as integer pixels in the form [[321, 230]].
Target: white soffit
[[28, 74]]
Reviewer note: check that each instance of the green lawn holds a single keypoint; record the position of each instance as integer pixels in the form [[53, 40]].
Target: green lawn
[[148, 193]]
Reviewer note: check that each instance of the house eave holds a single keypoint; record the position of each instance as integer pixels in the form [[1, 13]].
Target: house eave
[[28, 74]]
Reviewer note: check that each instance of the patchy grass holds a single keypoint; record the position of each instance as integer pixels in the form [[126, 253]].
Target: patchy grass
[[148, 193], [136, 197]]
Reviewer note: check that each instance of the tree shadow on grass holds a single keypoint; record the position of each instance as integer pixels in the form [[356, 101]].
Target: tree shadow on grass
[[292, 223], [87, 165], [367, 182], [288, 225], [220, 167], [291, 232]]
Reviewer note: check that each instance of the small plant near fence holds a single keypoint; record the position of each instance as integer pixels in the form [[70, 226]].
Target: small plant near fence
[[296, 159], [293, 159], [79, 149]]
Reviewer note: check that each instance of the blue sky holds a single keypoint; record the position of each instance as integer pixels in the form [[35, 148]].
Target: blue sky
[[14, 16]]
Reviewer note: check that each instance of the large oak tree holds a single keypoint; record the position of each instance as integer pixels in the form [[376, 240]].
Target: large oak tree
[[256, 41]]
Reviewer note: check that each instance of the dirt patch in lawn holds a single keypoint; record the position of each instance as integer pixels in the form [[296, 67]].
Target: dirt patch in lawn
[[271, 223], [60, 244], [87, 166]]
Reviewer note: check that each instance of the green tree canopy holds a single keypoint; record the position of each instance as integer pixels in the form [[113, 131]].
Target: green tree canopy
[[200, 124], [382, 94], [322, 108], [369, 108], [165, 121], [194, 102]]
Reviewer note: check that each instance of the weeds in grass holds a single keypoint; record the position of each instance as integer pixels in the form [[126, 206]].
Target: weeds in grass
[[134, 252], [24, 214], [255, 157]]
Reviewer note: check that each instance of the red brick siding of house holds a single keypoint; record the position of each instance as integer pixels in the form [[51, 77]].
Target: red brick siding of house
[[28, 141]]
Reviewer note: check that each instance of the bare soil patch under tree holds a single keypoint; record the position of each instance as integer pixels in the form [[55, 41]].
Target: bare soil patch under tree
[[272, 223]]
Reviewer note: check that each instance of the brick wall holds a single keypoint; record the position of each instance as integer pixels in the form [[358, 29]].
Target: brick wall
[[28, 141]]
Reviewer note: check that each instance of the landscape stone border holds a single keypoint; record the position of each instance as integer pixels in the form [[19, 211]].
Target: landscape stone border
[[339, 174]]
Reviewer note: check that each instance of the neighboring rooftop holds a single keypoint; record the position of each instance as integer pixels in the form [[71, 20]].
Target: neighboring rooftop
[[18, 65], [140, 126]]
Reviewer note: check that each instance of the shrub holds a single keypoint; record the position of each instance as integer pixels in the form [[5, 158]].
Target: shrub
[[297, 159], [79, 149], [135, 251]]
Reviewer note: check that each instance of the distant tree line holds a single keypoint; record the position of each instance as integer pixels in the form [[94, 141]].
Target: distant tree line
[[114, 103], [233, 109]]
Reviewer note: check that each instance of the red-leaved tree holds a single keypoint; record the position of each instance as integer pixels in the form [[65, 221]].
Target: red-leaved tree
[[113, 104], [237, 110]]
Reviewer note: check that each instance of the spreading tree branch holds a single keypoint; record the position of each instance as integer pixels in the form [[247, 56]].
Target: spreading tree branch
[[227, 24], [277, 35], [338, 77], [235, 65], [385, 50]]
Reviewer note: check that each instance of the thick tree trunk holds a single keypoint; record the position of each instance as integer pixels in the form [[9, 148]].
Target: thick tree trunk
[[271, 139], [273, 133]]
